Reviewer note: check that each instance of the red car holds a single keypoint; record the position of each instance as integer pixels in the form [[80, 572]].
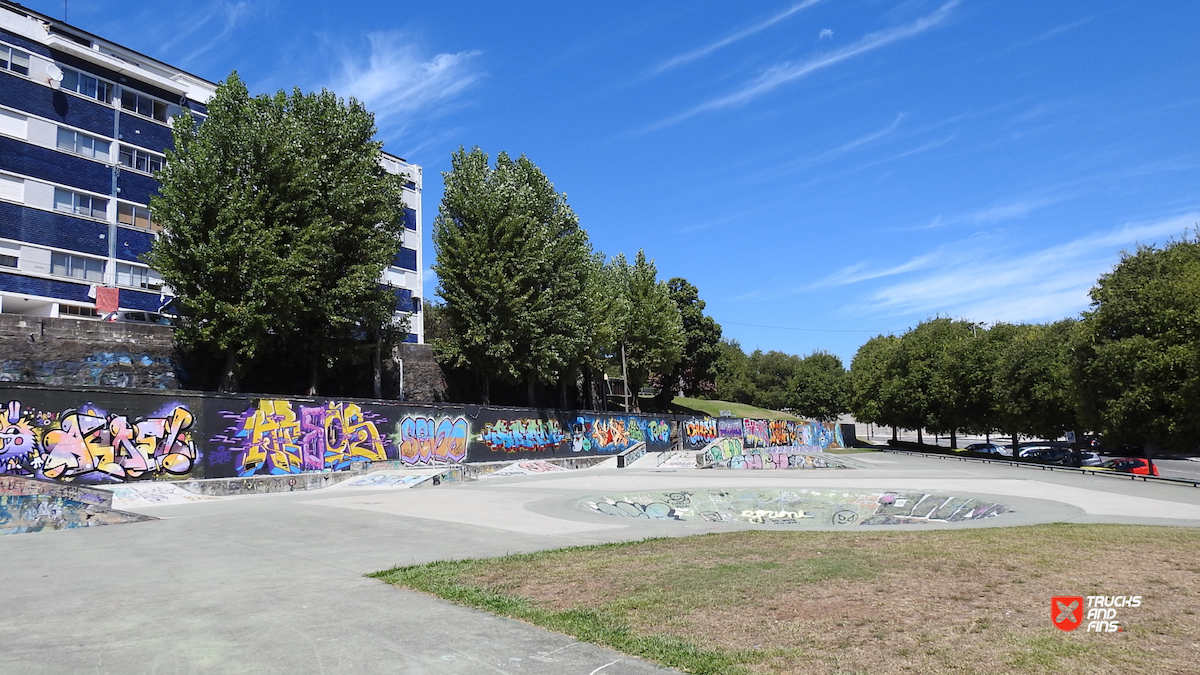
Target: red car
[[1135, 465]]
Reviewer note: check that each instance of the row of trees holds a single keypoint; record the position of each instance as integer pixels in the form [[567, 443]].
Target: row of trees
[[815, 386], [1128, 369], [528, 301]]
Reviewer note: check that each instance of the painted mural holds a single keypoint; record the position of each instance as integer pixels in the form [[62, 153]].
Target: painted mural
[[120, 437], [700, 431], [89, 445], [616, 434], [804, 436], [430, 440], [274, 437], [522, 435], [802, 508]]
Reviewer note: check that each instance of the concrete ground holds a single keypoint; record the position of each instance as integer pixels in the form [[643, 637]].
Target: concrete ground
[[274, 583]]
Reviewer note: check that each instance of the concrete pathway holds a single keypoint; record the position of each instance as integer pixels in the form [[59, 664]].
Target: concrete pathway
[[273, 583]]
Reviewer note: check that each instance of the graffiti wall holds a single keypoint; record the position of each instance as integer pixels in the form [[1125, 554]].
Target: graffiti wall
[[803, 436], [103, 436], [276, 437], [88, 444]]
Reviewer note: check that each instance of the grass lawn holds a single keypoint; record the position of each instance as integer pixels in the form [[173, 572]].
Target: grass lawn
[[949, 601], [714, 408]]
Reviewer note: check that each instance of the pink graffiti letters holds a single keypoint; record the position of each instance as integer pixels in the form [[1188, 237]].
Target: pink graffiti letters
[[428, 440]]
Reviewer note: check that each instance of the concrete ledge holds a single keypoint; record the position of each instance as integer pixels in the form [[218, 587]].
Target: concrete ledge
[[84, 494], [255, 485], [631, 455], [474, 470]]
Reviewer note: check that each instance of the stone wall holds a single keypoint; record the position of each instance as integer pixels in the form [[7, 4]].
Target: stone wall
[[69, 352], [423, 377]]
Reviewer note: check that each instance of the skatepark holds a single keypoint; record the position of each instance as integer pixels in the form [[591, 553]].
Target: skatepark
[[273, 583]]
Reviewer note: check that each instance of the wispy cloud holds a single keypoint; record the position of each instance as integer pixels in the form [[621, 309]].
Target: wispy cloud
[[688, 57], [996, 212], [981, 279], [399, 82], [223, 17], [783, 73]]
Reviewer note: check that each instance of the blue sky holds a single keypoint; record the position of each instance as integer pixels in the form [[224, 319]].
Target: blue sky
[[823, 170]]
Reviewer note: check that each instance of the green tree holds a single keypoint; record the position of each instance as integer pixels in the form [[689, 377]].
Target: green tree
[[652, 333], [277, 224], [873, 390], [1034, 392], [695, 374], [733, 373], [513, 267], [772, 374], [820, 387], [1136, 358]]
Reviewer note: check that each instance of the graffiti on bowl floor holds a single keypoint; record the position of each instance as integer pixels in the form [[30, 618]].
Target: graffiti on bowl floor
[[797, 507]]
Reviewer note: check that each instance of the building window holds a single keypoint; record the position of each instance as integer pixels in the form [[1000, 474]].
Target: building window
[[143, 105], [83, 205], [140, 160], [75, 310], [82, 144], [128, 275], [77, 267], [82, 83], [14, 60], [137, 216], [7, 260]]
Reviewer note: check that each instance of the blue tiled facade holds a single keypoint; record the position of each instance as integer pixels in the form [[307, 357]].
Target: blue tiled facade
[[47, 226]]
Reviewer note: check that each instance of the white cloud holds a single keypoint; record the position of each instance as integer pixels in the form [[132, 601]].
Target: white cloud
[[783, 73], [982, 280], [825, 33], [398, 82], [688, 57]]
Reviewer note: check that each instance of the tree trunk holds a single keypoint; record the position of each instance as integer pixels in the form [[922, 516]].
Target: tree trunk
[[229, 381], [377, 367], [314, 377], [485, 394], [1016, 452], [953, 439], [590, 394], [530, 392], [895, 434], [567, 376], [920, 438]]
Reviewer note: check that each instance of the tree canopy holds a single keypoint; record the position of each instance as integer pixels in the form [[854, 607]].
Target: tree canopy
[[1137, 349], [514, 269], [278, 221]]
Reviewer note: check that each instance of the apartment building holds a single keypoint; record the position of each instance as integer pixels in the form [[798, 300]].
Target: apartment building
[[84, 124]]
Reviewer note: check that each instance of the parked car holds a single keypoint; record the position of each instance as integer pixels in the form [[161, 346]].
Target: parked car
[[129, 316], [1090, 458], [1035, 451], [988, 449], [1135, 465]]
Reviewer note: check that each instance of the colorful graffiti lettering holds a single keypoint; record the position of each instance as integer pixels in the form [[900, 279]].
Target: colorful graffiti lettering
[[90, 446], [729, 428], [700, 431], [724, 449], [428, 440], [605, 435], [522, 435], [274, 440], [756, 433]]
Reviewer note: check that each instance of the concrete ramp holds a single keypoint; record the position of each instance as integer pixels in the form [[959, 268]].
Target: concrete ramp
[[674, 459], [29, 505], [154, 493], [402, 480]]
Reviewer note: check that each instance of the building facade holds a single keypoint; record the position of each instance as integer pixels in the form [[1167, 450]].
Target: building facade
[[84, 124]]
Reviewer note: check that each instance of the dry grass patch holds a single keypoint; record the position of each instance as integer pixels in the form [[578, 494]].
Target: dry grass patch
[[957, 601]]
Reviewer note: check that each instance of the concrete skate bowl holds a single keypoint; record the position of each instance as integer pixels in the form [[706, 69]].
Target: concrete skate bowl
[[799, 508], [29, 505]]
